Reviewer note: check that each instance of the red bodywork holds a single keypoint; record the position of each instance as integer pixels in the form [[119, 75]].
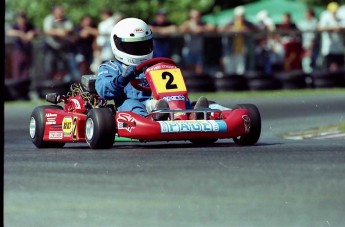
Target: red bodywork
[[68, 125]]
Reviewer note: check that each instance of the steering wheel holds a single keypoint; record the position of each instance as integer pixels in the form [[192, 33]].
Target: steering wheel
[[143, 66]]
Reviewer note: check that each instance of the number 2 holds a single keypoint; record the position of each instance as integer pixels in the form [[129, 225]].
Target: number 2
[[169, 84]]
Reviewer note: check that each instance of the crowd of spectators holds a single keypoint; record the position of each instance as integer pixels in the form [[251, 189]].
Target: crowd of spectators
[[73, 50]]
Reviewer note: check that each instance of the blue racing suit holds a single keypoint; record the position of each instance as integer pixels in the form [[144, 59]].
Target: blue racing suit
[[111, 85]]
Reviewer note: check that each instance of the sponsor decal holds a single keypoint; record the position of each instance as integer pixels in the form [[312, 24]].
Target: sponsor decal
[[193, 126], [51, 115], [76, 104], [246, 121], [67, 124], [158, 67], [125, 121], [55, 135], [174, 98], [131, 60], [139, 30], [74, 129], [51, 118]]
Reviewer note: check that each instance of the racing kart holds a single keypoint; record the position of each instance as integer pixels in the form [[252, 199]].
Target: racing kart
[[86, 117]]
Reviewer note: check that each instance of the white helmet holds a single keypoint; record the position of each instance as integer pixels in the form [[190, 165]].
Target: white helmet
[[131, 41]]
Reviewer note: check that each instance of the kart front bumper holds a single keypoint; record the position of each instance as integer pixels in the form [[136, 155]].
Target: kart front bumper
[[234, 123]]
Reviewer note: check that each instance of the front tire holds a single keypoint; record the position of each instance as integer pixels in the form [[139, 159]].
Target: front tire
[[100, 128], [255, 126], [37, 125]]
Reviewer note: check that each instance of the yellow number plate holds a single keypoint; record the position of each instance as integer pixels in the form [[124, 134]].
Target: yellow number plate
[[168, 80]]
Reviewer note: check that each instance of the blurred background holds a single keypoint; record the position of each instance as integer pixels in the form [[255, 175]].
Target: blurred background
[[220, 45]]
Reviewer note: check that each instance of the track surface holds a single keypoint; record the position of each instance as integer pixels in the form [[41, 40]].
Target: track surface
[[276, 183]]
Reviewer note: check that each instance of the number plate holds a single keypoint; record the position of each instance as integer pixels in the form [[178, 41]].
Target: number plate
[[168, 80]]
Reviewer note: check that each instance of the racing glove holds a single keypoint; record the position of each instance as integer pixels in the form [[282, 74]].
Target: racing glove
[[129, 73]]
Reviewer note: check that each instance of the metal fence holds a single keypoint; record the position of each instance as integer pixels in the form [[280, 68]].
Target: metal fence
[[215, 47]]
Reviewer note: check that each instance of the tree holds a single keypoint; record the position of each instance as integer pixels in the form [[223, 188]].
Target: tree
[[75, 9], [144, 9]]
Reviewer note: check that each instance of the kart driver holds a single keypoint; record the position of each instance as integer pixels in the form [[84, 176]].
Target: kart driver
[[132, 43]]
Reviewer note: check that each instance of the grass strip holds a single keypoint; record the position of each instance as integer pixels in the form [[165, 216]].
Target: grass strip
[[316, 132]]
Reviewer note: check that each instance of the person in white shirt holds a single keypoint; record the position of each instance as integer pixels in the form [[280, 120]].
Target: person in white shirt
[[265, 21], [332, 42], [341, 14], [308, 26], [104, 29]]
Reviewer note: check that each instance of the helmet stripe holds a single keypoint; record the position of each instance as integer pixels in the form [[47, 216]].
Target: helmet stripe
[[136, 39]]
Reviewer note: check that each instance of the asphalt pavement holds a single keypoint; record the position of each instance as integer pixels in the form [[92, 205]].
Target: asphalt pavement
[[278, 182]]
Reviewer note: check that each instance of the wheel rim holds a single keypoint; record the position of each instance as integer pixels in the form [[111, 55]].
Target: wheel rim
[[89, 128], [32, 127]]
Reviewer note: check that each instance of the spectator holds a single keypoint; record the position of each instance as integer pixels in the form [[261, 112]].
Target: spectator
[[87, 33], [234, 56], [268, 51], [59, 46], [287, 23], [108, 21], [265, 22], [162, 28], [341, 14], [332, 43], [309, 40], [23, 33], [193, 49], [291, 39], [270, 54]]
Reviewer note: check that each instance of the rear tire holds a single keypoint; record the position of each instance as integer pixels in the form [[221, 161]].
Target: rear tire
[[100, 128], [255, 126], [37, 125]]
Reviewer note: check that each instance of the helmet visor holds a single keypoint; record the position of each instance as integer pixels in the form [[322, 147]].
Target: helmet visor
[[134, 46]]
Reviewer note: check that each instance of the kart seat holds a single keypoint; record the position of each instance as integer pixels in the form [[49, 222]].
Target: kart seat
[[88, 83]]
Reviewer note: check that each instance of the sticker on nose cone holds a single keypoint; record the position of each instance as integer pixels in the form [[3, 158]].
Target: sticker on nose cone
[[246, 121], [192, 126]]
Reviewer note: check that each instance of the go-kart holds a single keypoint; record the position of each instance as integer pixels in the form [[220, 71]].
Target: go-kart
[[86, 117]]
